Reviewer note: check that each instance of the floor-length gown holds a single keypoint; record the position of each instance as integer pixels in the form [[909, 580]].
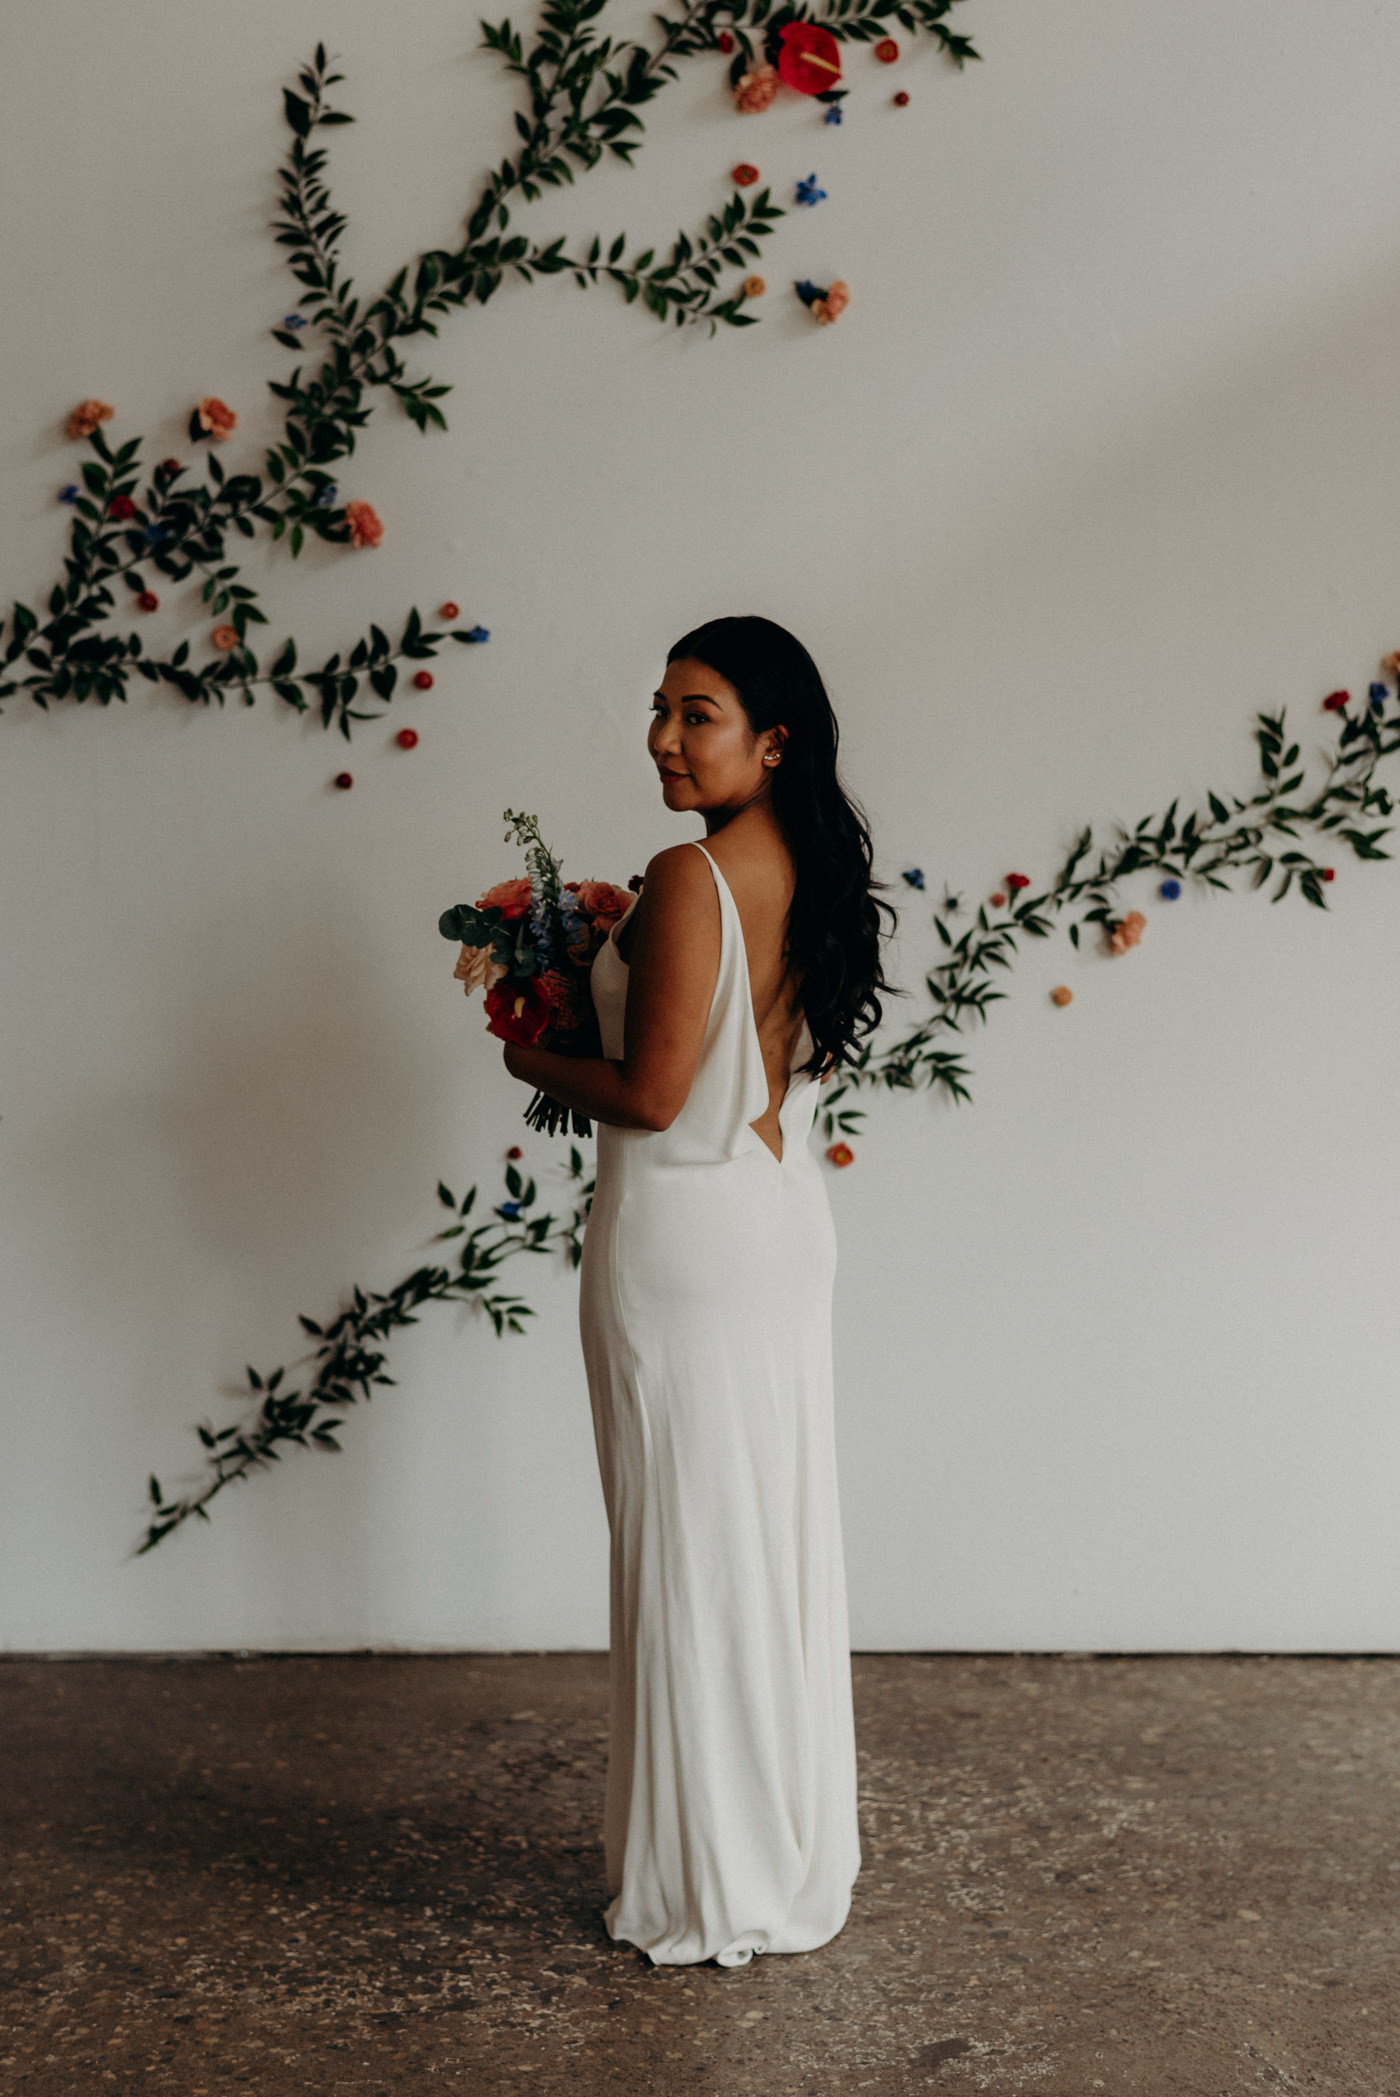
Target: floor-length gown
[[705, 1314]]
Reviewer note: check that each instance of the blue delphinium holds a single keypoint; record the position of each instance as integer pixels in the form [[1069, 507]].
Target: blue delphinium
[[70, 493], [1378, 695], [294, 320], [914, 875], [479, 633], [1171, 890], [808, 192], [327, 497], [807, 291], [833, 115], [510, 1208]]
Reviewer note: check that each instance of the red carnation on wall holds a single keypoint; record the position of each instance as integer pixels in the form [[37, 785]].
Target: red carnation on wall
[[810, 59]]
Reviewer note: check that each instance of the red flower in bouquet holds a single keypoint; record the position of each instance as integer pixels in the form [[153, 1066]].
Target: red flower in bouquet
[[810, 59], [517, 1010], [561, 997]]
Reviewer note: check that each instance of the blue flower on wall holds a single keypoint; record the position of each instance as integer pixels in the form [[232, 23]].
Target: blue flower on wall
[[808, 192]]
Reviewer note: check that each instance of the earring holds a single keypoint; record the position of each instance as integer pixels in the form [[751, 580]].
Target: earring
[[771, 758]]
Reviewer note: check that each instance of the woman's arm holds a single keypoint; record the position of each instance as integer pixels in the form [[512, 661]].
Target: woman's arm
[[670, 987]]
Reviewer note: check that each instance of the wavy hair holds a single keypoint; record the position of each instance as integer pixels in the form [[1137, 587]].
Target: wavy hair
[[834, 930]]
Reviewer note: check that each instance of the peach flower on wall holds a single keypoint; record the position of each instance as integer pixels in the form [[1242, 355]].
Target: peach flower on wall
[[756, 89], [365, 527], [86, 417], [1127, 932], [826, 310], [215, 417]]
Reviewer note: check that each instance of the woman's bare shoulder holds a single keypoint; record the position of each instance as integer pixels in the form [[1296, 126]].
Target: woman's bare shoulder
[[757, 864], [678, 888]]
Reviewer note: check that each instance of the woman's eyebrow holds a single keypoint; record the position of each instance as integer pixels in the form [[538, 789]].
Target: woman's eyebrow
[[691, 697]]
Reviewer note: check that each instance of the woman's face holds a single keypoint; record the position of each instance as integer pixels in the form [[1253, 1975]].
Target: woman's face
[[701, 743]]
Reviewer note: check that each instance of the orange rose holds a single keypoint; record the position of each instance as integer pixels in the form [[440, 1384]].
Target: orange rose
[[365, 527], [841, 1154], [824, 311], [86, 416], [512, 898], [754, 287], [1062, 994], [225, 636], [757, 89], [602, 902], [215, 417], [1392, 663], [1127, 932]]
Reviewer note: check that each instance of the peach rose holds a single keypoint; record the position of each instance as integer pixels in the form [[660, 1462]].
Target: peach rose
[[512, 898], [365, 527], [86, 416], [1127, 932], [215, 417], [225, 636], [824, 311], [1062, 994], [477, 969], [602, 902], [1392, 663], [757, 89]]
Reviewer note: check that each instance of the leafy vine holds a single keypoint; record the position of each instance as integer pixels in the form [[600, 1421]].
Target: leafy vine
[[583, 92], [1256, 834]]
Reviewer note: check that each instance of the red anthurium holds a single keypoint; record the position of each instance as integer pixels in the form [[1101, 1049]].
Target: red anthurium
[[1018, 880], [517, 1010], [810, 59]]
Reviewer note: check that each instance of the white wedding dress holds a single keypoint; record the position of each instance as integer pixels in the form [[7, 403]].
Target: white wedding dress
[[705, 1314]]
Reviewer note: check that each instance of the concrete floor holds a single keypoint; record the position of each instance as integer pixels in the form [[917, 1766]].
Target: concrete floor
[[383, 1875]]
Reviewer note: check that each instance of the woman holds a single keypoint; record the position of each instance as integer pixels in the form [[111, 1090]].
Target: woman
[[729, 988]]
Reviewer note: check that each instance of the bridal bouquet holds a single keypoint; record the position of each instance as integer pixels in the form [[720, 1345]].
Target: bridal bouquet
[[529, 944]]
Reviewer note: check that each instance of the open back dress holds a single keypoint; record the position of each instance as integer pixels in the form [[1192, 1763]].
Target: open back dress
[[705, 1315]]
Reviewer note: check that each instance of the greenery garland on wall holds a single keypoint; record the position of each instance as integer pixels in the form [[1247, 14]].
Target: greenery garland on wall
[[1257, 835], [583, 93]]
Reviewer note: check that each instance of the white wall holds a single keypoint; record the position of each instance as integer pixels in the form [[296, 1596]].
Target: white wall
[[1101, 460]]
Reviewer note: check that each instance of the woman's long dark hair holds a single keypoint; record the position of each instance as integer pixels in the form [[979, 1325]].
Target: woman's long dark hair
[[834, 929]]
